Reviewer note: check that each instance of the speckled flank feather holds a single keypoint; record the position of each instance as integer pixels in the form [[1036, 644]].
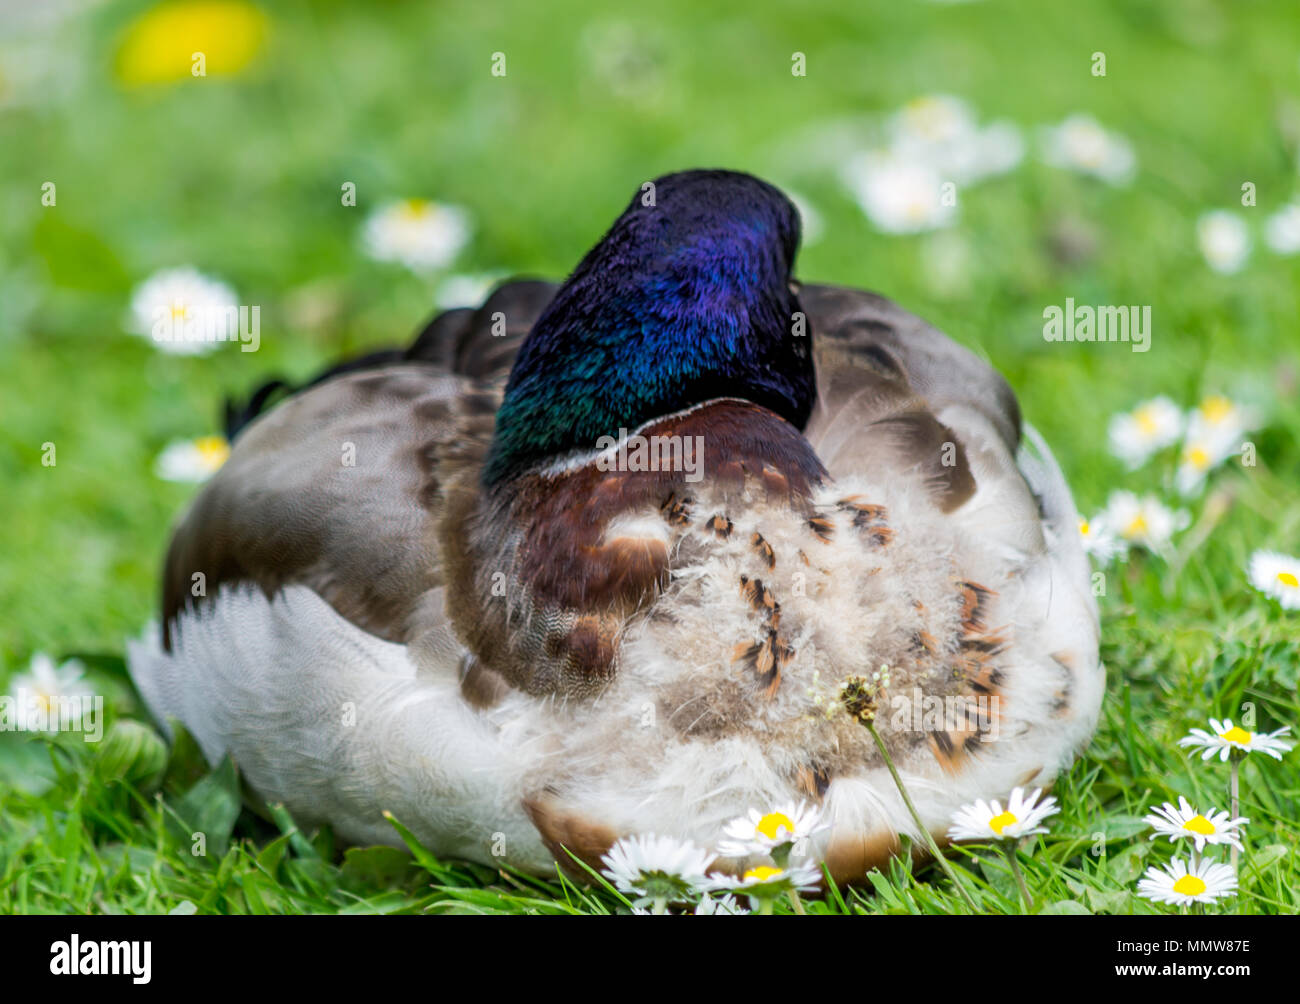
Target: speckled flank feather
[[731, 686]]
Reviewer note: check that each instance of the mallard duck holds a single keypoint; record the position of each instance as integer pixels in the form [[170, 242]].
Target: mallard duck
[[637, 554]]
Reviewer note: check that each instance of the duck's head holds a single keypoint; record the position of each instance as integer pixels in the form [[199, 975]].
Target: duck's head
[[687, 298]]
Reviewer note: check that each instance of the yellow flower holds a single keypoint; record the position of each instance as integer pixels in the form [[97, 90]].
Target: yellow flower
[[164, 44]]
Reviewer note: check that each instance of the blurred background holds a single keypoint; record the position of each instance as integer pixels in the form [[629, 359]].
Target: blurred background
[[484, 140]]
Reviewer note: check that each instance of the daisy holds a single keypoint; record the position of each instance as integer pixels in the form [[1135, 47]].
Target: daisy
[[1185, 822], [1277, 575], [184, 311], [192, 460], [766, 883], [982, 820], [658, 869], [1143, 521], [1195, 461], [724, 906], [1081, 144], [1204, 882], [1098, 539], [1148, 428], [762, 833], [1219, 417], [1282, 230], [1224, 240], [941, 131], [465, 289], [813, 226], [899, 196], [417, 233], [1225, 737], [38, 691]]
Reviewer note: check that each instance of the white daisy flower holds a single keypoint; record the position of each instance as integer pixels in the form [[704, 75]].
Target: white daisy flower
[[465, 289], [1225, 737], [184, 312], [1143, 521], [1000, 147], [417, 233], [192, 460], [813, 226], [661, 869], [725, 905], [1218, 417], [1282, 230], [1195, 461], [941, 131], [1147, 429], [899, 196], [1186, 822], [983, 820], [1175, 883], [1216, 429], [37, 692], [760, 833], [936, 129], [1224, 240], [1277, 575], [1099, 541], [1081, 144], [768, 881]]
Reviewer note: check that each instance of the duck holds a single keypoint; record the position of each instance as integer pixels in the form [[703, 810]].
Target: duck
[[635, 554]]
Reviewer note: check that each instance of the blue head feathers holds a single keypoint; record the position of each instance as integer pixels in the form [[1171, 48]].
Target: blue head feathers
[[687, 298]]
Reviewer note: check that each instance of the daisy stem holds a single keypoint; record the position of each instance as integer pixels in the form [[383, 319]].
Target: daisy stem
[[1010, 847], [660, 906], [916, 818], [1232, 791], [797, 903], [765, 906]]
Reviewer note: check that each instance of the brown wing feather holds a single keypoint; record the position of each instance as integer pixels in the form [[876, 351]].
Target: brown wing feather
[[337, 489], [881, 337], [482, 343], [883, 375]]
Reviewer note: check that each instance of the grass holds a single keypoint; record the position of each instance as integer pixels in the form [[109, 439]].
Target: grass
[[240, 177]]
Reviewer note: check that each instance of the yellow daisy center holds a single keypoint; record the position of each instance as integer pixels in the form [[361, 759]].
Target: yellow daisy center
[[1136, 527], [1084, 527], [1189, 885], [1089, 145], [1146, 420], [417, 209], [1236, 734], [1216, 408], [179, 311], [213, 451], [1001, 821], [771, 824], [1197, 457], [1288, 579], [1199, 824], [927, 116], [916, 209], [763, 873]]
